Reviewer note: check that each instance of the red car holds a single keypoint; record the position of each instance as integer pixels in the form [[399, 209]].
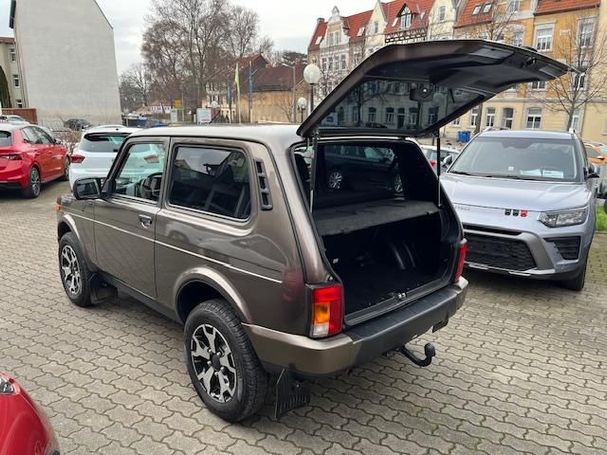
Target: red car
[[29, 157], [24, 428]]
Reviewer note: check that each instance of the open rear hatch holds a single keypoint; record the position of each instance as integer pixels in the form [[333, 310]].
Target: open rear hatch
[[387, 230]]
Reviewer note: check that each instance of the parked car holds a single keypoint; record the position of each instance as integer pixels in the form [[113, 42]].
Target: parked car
[[30, 157], [94, 154], [24, 427], [13, 119], [77, 124], [597, 154], [527, 203], [273, 270], [448, 156]]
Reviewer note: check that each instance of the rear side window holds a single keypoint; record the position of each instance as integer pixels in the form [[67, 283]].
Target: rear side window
[[102, 143], [5, 139], [211, 180]]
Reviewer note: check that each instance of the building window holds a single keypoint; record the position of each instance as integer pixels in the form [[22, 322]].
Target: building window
[[476, 10], [487, 8], [441, 13], [432, 115], [585, 33], [543, 38], [456, 122], [357, 58], [389, 115], [330, 63], [534, 118], [376, 27], [490, 119], [517, 38], [324, 64], [16, 80], [13, 53], [579, 81], [19, 103], [343, 62], [507, 117], [538, 85], [474, 116], [406, 19], [412, 117], [355, 118], [514, 6], [575, 120], [372, 115]]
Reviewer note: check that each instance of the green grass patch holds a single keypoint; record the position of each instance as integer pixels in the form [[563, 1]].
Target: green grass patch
[[601, 219]]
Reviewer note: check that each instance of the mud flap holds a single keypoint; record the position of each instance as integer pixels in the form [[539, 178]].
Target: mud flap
[[101, 290], [290, 394]]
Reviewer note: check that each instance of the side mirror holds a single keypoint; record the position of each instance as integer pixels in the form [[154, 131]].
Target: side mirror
[[448, 160], [593, 172], [87, 189]]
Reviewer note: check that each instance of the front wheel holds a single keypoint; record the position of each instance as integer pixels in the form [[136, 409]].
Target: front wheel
[[66, 169], [576, 283], [222, 364], [34, 184], [75, 275]]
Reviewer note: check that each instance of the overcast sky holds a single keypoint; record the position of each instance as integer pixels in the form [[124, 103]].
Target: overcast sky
[[289, 23]]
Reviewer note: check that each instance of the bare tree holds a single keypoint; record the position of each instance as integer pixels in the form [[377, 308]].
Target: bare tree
[[135, 86], [582, 46]]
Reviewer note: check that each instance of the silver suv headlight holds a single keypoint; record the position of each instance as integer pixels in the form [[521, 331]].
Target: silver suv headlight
[[564, 217]]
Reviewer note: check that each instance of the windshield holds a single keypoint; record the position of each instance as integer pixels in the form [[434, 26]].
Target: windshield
[[5, 139], [519, 158], [102, 143]]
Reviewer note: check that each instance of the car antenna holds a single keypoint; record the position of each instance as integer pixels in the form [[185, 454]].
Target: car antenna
[[438, 166]]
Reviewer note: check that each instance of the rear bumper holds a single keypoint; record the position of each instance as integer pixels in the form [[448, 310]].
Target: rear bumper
[[14, 176], [360, 344]]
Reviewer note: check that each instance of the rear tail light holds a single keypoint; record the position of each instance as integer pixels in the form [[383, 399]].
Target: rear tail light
[[432, 163], [152, 159], [77, 158], [327, 310], [461, 259], [11, 157]]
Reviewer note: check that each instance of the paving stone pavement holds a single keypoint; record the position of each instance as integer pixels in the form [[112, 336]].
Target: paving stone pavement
[[520, 369]]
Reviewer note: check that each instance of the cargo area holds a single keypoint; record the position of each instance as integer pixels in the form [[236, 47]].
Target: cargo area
[[382, 232]]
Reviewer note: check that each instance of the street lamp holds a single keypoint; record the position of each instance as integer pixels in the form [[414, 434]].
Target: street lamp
[[312, 75], [302, 105]]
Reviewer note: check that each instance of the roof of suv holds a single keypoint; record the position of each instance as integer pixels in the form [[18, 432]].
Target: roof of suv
[[279, 137], [529, 134], [110, 129]]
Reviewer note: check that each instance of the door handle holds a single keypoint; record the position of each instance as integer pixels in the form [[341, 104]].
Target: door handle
[[145, 220]]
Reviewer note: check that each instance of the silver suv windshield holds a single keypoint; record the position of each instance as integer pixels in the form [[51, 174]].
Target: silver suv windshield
[[522, 158]]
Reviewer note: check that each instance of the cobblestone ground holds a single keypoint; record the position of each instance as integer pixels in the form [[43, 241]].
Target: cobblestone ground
[[521, 369]]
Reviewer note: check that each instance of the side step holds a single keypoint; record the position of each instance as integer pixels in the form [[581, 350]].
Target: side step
[[429, 351], [290, 394]]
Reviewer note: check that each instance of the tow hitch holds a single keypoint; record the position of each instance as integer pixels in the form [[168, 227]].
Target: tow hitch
[[429, 350]]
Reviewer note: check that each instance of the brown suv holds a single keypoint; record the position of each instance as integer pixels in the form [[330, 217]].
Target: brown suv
[[290, 253]]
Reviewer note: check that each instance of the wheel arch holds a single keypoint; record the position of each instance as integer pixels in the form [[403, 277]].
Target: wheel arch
[[204, 285]]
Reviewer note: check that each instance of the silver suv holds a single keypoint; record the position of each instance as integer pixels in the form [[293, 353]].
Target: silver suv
[[527, 203]]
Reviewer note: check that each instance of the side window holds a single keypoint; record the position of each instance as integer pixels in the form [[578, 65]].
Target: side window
[[140, 175], [211, 180], [42, 136], [29, 135]]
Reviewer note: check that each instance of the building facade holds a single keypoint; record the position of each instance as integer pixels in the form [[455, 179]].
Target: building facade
[[340, 43], [68, 71], [11, 87], [566, 30]]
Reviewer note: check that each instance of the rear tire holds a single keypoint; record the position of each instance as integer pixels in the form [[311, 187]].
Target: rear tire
[[34, 184], [222, 363], [576, 283], [75, 275], [66, 170]]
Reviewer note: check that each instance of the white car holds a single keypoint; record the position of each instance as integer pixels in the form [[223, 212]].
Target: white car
[[94, 154]]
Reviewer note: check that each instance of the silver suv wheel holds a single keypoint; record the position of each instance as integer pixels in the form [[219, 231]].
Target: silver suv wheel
[[213, 363]]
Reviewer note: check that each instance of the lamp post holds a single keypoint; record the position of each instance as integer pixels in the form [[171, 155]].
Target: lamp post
[[302, 105], [312, 75]]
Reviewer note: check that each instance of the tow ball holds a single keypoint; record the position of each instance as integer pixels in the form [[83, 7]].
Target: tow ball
[[429, 351]]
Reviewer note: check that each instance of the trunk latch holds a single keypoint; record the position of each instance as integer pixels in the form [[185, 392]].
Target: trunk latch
[[429, 351]]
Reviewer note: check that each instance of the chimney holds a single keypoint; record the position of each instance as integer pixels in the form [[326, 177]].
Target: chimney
[[320, 20]]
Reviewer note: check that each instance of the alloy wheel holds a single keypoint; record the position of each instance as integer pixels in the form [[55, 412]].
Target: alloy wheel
[[70, 269], [336, 179], [35, 181], [213, 363]]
